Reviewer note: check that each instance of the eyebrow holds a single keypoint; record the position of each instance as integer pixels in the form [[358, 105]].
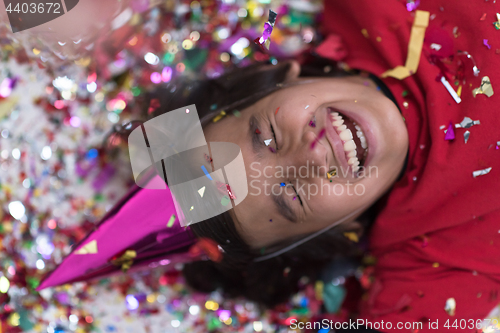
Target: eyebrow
[[284, 208]]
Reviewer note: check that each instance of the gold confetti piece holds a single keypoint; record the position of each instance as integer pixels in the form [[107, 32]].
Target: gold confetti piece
[[485, 88], [171, 221], [450, 306], [365, 33], [331, 173], [221, 115], [89, 248], [459, 91], [352, 236], [379, 39], [414, 47], [126, 260], [435, 265], [318, 290], [7, 105]]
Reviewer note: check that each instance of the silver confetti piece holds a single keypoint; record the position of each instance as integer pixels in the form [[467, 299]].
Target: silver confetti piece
[[450, 306], [467, 122], [466, 136], [481, 172], [272, 17]]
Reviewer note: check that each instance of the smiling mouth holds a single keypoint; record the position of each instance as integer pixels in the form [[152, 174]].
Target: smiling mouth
[[355, 146]]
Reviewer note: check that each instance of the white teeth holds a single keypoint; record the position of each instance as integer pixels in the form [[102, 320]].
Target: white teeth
[[338, 122], [353, 160], [346, 135], [364, 145], [349, 145]]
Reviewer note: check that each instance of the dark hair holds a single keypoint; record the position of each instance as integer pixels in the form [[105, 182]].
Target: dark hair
[[272, 281]]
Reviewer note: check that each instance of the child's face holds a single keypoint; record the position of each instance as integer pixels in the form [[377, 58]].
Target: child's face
[[306, 145]]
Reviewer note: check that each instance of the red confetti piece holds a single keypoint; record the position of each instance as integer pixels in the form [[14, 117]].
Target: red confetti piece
[[153, 105], [257, 131], [208, 247], [483, 17], [276, 112]]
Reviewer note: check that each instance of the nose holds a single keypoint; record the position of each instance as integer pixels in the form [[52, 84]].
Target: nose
[[309, 153]]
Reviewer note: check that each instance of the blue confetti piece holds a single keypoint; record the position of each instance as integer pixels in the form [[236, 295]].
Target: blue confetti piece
[[206, 172], [92, 153], [282, 184]]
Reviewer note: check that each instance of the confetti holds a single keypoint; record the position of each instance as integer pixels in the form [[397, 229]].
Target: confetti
[[415, 44], [482, 172], [171, 221], [485, 43], [201, 191], [435, 46], [412, 5], [257, 131], [268, 29], [321, 134], [485, 88], [450, 306], [474, 68], [268, 142], [331, 173], [277, 109], [312, 123], [352, 236], [206, 172], [124, 260], [307, 106], [467, 123], [450, 134], [225, 200], [221, 115], [497, 23], [89, 248], [450, 90], [282, 184], [466, 136]]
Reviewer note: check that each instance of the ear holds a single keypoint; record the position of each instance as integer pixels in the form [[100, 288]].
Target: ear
[[293, 72]]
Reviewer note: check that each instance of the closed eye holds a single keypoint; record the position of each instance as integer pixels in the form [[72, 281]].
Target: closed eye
[[274, 136], [297, 194]]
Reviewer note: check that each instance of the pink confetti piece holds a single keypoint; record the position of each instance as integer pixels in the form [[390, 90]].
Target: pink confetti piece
[[450, 133], [320, 135]]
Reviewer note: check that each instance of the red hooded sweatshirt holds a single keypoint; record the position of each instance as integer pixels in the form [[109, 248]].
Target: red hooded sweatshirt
[[437, 237]]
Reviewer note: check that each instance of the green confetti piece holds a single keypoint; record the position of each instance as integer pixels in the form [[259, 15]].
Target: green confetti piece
[[405, 93], [171, 221], [136, 91], [237, 113], [333, 297], [99, 197], [225, 200]]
